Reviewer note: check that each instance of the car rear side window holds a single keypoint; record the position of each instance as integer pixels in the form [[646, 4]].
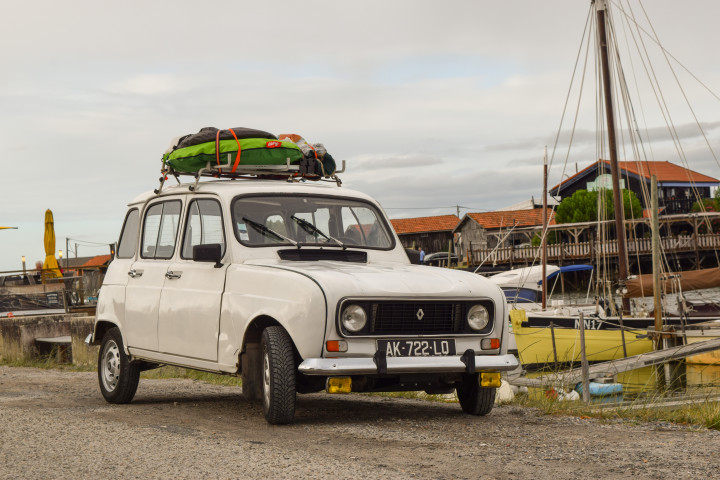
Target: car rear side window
[[129, 235], [160, 230], [204, 226]]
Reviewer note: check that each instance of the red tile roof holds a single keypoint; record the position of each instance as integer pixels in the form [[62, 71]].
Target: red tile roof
[[506, 219], [439, 223], [97, 261], [664, 171]]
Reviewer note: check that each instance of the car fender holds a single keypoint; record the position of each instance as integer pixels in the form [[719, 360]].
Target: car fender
[[294, 301]]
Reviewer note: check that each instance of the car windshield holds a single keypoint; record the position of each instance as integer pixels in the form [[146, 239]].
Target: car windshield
[[271, 220]]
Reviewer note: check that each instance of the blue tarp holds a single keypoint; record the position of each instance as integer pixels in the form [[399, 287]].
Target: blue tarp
[[568, 268]]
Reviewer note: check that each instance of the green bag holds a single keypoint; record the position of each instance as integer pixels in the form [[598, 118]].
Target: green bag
[[244, 146]]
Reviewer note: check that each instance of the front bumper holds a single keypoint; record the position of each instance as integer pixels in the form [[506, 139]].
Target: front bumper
[[397, 365]]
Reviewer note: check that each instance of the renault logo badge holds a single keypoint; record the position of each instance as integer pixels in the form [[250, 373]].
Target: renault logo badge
[[420, 314]]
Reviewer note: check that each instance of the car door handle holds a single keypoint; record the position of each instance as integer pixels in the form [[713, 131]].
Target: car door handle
[[135, 273], [170, 274]]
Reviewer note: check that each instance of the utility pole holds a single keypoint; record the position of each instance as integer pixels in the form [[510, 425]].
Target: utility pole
[[600, 8]]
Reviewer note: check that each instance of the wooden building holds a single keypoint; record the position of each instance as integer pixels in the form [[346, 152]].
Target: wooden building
[[483, 231], [433, 234], [676, 185], [695, 248]]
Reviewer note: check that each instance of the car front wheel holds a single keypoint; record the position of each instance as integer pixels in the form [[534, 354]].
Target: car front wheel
[[474, 399], [278, 376], [118, 377]]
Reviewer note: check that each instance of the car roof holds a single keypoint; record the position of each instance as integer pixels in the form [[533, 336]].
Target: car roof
[[232, 188]]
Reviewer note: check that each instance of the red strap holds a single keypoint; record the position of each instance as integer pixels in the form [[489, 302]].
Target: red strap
[[237, 158], [217, 149], [313, 149]]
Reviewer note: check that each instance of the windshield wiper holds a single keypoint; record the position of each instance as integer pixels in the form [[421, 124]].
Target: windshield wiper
[[268, 232], [313, 230]]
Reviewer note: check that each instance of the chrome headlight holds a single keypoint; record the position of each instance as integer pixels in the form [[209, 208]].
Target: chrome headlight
[[478, 317], [353, 318]]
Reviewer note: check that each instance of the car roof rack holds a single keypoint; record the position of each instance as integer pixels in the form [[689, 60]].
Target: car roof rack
[[306, 168]]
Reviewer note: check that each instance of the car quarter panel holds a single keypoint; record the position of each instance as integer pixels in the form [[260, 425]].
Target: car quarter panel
[[294, 300], [110, 308]]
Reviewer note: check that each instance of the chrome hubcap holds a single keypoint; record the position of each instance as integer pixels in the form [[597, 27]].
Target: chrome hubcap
[[110, 366], [266, 379]]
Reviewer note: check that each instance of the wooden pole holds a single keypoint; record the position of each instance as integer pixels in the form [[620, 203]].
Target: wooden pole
[[584, 362], [600, 7], [449, 252], [695, 243], [655, 226], [544, 234], [657, 304], [552, 334]]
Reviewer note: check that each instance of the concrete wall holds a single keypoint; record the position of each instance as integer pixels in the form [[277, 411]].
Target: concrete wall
[[18, 334]]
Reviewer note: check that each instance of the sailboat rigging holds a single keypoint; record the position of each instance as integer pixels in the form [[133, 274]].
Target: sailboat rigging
[[613, 331]]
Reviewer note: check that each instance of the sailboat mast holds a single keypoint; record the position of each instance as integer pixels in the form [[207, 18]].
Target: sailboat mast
[[601, 7], [544, 232]]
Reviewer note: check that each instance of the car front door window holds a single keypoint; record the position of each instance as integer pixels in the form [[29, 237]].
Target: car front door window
[[160, 230]]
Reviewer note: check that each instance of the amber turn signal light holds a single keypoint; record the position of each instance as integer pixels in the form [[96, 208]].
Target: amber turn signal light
[[336, 346], [490, 379], [338, 385]]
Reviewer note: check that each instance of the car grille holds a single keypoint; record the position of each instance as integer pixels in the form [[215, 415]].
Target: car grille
[[418, 318]]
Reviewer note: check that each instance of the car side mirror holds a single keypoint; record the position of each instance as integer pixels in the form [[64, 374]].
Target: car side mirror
[[209, 252]]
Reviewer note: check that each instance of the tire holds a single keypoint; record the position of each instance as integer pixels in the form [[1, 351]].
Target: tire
[[117, 376], [278, 376], [474, 399]]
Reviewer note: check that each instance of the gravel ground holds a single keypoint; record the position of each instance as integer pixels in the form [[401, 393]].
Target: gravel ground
[[55, 424]]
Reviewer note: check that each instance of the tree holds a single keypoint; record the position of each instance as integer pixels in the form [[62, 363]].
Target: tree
[[552, 239], [582, 206], [710, 205]]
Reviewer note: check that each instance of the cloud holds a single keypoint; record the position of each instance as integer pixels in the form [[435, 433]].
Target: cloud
[[391, 162], [431, 104], [148, 84]]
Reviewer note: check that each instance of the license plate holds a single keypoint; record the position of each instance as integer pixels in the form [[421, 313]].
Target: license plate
[[417, 348]]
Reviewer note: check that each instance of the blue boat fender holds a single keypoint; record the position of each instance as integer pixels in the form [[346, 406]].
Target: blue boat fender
[[601, 389]]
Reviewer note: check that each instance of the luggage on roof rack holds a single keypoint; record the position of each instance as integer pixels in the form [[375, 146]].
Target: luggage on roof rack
[[237, 152], [191, 153]]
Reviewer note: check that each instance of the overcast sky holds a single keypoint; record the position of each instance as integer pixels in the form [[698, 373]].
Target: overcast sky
[[433, 104]]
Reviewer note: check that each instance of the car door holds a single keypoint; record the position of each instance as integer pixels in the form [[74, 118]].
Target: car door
[[189, 317], [147, 274]]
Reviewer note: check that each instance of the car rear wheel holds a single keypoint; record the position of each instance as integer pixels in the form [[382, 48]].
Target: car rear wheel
[[474, 399], [117, 376], [278, 376]]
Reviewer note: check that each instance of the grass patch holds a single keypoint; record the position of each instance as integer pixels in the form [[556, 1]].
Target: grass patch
[[178, 372], [46, 363], [701, 412], [167, 372]]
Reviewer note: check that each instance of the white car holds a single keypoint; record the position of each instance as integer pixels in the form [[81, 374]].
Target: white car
[[296, 286]]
